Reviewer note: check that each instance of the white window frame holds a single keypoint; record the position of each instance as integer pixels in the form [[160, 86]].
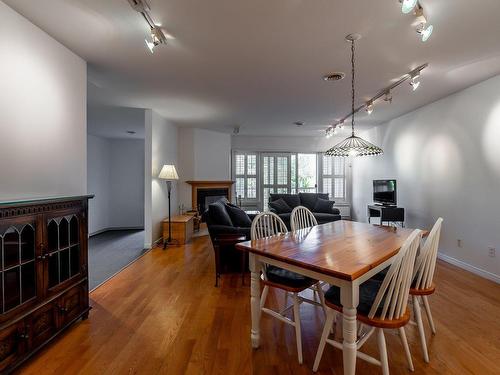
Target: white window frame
[[245, 201], [346, 176]]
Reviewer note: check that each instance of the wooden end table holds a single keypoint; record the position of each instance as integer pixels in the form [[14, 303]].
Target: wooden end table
[[182, 229], [226, 240]]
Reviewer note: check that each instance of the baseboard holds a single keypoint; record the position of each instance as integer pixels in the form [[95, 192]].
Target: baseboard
[[114, 228], [475, 270]]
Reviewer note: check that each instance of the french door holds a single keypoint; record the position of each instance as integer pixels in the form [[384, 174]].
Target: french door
[[276, 174]]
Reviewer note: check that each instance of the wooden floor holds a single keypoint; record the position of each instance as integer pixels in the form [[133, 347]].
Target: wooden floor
[[162, 315]]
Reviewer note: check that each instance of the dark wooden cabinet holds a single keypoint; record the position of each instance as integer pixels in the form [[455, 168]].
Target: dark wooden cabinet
[[43, 273]]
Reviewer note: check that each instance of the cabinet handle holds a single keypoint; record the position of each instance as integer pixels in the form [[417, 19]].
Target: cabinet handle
[[24, 336], [63, 309], [41, 257]]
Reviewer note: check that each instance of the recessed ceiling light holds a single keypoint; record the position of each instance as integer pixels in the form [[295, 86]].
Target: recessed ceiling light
[[131, 132], [299, 123], [335, 76]]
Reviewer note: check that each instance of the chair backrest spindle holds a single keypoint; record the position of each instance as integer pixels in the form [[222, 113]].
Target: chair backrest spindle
[[426, 260], [267, 224], [396, 284], [301, 218]]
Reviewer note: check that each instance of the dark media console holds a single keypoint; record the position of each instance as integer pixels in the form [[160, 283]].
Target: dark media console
[[386, 214]]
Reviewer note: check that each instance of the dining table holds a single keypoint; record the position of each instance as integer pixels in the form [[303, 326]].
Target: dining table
[[342, 253]]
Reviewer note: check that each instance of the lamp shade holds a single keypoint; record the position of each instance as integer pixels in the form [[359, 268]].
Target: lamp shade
[[168, 172]]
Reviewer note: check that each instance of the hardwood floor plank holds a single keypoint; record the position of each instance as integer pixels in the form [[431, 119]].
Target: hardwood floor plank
[[162, 315]]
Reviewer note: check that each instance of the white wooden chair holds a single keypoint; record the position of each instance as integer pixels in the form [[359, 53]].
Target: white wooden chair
[[423, 286], [269, 224], [302, 218], [382, 305]]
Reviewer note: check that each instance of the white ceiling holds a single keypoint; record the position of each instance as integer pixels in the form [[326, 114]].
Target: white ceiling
[[259, 63], [115, 122]]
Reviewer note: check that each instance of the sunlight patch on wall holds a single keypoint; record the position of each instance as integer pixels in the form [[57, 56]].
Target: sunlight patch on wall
[[491, 140], [442, 163]]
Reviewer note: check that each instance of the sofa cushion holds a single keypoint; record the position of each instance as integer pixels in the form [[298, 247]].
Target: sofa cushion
[[280, 206], [325, 218], [292, 200], [367, 293], [281, 276], [309, 199], [218, 214], [323, 206], [238, 216]]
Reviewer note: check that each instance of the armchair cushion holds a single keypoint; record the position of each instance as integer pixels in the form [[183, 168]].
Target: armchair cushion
[[218, 214], [323, 206], [238, 217], [280, 206]]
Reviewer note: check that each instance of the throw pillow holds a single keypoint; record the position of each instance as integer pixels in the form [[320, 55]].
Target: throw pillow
[[323, 206], [238, 216], [218, 214], [280, 206]]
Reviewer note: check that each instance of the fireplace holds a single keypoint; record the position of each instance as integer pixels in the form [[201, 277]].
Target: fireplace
[[205, 196], [205, 192]]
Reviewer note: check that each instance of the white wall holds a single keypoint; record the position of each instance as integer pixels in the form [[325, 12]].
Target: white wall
[[116, 178], [204, 155], [126, 183], [446, 158], [98, 182], [285, 143], [42, 113], [161, 148]]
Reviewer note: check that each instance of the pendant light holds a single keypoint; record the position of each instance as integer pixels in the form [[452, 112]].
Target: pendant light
[[353, 145]]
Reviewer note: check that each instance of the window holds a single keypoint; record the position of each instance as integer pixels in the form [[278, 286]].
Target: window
[[334, 181], [245, 174]]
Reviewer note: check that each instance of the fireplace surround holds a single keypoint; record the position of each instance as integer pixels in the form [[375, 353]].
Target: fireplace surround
[[205, 192]]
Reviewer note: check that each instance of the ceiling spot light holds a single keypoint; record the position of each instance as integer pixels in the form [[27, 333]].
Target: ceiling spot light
[[423, 28], [369, 107], [341, 125], [408, 5], [388, 97], [157, 37], [425, 31]]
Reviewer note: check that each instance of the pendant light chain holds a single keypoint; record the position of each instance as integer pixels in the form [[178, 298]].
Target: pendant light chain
[[353, 145], [352, 86]]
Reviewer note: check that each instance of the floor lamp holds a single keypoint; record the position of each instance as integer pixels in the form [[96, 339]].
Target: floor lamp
[[169, 174]]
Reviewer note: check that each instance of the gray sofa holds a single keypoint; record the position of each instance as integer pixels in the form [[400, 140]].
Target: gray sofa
[[307, 200]]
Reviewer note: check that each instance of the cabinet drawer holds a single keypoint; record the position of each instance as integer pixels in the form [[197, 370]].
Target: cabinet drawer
[[72, 303], [12, 345], [42, 324]]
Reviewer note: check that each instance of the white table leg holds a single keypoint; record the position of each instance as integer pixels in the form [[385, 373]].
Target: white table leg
[[255, 267], [349, 298]]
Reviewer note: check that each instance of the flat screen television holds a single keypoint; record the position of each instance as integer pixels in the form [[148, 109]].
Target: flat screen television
[[384, 192]]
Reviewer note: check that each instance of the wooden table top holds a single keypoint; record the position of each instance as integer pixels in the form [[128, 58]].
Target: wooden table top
[[179, 219], [342, 249]]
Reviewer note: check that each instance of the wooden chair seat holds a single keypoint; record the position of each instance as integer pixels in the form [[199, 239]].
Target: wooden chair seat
[[423, 292], [376, 322]]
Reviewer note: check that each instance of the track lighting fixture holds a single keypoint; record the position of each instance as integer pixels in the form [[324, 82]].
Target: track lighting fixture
[[158, 36], [408, 5], [369, 107], [385, 94]]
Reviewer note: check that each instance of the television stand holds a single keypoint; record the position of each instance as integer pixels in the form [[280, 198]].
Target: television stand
[[386, 214]]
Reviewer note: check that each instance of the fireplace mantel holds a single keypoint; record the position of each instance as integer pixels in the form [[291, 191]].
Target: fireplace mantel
[[195, 185]]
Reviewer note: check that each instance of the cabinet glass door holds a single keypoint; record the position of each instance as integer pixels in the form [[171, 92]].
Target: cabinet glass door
[[18, 268], [63, 237]]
